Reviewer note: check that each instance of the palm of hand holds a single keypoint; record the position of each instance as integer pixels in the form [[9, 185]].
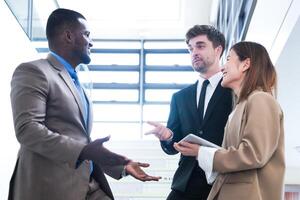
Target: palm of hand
[[134, 169]]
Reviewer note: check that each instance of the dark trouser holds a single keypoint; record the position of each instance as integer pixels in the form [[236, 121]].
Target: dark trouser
[[196, 188], [176, 195], [95, 193]]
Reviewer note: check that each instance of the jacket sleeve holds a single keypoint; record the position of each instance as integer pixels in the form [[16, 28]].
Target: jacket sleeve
[[260, 135], [29, 87], [174, 125], [114, 171]]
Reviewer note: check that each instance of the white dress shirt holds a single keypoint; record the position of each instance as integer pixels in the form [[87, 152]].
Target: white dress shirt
[[206, 159], [206, 154], [213, 83]]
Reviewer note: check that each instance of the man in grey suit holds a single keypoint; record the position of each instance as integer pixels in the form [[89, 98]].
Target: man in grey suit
[[52, 118]]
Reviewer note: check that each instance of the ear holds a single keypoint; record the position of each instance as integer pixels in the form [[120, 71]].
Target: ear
[[68, 36], [219, 50], [246, 64]]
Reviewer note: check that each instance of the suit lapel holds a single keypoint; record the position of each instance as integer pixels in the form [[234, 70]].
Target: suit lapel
[[193, 104], [90, 113], [218, 93], [69, 82]]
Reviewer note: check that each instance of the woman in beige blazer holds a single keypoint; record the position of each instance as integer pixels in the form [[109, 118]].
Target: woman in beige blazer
[[250, 165]]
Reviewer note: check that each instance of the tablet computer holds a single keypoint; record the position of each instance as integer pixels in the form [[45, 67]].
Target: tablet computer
[[198, 140]]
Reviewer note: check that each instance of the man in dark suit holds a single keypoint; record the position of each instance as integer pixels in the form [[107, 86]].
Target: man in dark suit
[[53, 119], [189, 114]]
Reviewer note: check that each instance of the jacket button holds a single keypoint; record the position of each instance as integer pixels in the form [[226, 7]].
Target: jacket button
[[201, 132]]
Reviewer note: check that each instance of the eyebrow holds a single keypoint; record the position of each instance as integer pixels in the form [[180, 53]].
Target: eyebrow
[[197, 43], [200, 42]]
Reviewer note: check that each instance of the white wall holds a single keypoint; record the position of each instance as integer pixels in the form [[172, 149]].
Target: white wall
[[15, 48], [276, 25], [289, 97]]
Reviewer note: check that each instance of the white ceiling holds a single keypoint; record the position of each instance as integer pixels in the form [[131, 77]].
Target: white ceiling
[[141, 18]]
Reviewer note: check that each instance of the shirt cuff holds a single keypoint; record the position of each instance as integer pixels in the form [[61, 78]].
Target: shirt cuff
[[171, 138], [205, 160], [124, 173]]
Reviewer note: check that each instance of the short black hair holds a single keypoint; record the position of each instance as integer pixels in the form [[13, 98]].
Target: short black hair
[[59, 19], [213, 35]]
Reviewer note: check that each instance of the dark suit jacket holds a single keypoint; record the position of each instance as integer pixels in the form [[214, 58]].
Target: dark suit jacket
[[184, 119]]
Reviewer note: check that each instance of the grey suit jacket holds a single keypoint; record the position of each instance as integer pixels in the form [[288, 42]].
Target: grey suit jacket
[[251, 165], [49, 125]]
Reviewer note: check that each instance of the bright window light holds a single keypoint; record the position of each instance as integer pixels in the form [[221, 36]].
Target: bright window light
[[115, 95], [117, 113], [114, 59], [168, 59], [179, 77], [110, 77], [159, 95]]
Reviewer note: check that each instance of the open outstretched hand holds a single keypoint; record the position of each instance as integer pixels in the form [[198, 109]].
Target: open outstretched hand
[[134, 169]]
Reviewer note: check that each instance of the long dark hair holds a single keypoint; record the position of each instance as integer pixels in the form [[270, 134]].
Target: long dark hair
[[261, 73]]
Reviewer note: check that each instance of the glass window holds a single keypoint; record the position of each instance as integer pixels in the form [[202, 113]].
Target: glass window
[[180, 77], [114, 59], [159, 113], [159, 95], [168, 59], [117, 113], [117, 130], [165, 45], [110, 77], [115, 95], [116, 45]]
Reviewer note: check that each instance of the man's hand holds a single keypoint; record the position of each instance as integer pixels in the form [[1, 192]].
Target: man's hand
[[187, 149], [134, 169], [96, 152], [160, 131]]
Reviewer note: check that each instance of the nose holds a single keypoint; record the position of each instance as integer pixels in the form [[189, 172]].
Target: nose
[[222, 68], [194, 52], [90, 42]]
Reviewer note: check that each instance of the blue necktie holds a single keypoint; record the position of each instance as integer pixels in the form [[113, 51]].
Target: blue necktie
[[85, 105], [83, 98]]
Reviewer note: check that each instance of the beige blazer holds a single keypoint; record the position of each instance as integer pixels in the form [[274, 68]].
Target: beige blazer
[[49, 125], [252, 164]]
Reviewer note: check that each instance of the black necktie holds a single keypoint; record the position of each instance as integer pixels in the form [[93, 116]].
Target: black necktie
[[202, 99]]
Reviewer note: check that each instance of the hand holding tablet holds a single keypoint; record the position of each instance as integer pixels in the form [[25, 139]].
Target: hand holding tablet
[[198, 140]]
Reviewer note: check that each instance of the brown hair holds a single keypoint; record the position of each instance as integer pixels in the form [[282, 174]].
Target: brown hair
[[213, 35], [261, 73]]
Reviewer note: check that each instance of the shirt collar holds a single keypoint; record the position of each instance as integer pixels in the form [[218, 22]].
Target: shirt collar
[[213, 80], [67, 65]]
